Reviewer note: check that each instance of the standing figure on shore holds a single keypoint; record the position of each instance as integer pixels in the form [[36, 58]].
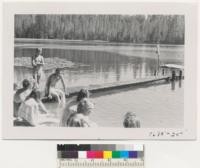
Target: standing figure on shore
[[158, 55], [38, 63], [52, 91]]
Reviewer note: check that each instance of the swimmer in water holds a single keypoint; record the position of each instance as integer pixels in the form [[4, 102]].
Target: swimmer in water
[[131, 120], [81, 117], [71, 106], [52, 91]]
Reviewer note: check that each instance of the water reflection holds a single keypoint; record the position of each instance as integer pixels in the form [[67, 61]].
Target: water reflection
[[180, 83], [173, 85], [176, 82], [104, 66]]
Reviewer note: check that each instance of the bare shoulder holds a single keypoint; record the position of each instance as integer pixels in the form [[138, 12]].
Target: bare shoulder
[[60, 76], [52, 76], [41, 56]]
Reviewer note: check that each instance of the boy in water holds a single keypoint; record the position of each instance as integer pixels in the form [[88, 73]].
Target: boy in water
[[81, 117], [52, 91], [131, 121], [38, 63]]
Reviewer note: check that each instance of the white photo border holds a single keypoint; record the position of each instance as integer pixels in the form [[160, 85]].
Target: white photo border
[[189, 10]]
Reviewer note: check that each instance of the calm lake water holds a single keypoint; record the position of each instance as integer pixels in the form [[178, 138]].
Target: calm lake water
[[157, 106], [105, 64]]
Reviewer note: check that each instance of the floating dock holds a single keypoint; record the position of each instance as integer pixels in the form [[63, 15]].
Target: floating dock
[[136, 82], [172, 76], [120, 85], [114, 86]]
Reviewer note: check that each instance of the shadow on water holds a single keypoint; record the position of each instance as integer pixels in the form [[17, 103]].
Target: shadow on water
[[180, 83], [173, 85]]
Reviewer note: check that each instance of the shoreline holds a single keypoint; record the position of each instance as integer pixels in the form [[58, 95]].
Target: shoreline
[[87, 42]]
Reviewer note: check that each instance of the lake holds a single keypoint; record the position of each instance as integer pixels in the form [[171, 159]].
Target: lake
[[104, 63]]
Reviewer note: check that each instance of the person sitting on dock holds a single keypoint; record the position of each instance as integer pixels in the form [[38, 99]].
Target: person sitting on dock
[[21, 95], [38, 63], [52, 91], [131, 121]]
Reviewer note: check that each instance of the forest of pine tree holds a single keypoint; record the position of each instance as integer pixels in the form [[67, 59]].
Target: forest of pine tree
[[167, 29]]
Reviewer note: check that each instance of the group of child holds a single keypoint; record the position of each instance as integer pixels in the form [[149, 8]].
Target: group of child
[[29, 109]]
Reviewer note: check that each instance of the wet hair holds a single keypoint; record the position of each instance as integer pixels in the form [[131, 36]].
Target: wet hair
[[80, 108], [83, 93], [26, 83], [57, 71], [130, 120], [35, 94], [39, 50], [84, 106]]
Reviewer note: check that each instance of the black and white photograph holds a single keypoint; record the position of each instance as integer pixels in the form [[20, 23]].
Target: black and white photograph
[[101, 70]]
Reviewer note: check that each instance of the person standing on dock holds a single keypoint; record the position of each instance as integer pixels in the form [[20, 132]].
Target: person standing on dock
[[38, 63], [158, 56], [52, 91]]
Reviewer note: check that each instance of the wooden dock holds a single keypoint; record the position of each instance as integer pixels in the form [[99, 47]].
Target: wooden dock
[[102, 88], [119, 85]]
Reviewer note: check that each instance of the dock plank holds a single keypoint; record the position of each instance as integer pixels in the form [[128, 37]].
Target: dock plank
[[113, 86]]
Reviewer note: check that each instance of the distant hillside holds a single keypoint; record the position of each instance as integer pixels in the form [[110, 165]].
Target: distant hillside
[[168, 29]]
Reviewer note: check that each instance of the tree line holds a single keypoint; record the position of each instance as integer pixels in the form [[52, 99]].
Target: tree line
[[168, 29]]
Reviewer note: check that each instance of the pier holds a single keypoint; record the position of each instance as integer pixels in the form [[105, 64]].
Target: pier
[[120, 85], [102, 88], [176, 73]]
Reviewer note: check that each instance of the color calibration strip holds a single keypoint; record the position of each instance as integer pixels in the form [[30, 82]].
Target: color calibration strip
[[100, 156], [99, 151]]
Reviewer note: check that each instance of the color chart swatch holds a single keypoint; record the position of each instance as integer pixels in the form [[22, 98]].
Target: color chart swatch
[[100, 155]]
